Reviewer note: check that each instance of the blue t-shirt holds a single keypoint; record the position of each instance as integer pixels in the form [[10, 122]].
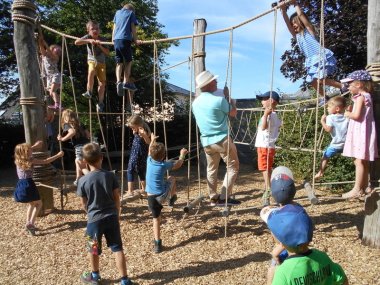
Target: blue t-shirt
[[211, 113], [98, 186], [155, 173], [123, 24]]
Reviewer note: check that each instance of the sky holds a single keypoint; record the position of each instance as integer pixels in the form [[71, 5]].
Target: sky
[[252, 44]]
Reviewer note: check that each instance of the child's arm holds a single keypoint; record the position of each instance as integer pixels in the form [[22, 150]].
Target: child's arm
[[37, 145], [323, 122], [49, 159], [116, 198], [178, 163], [134, 34], [70, 133], [278, 248], [357, 113], [305, 20], [104, 50], [144, 135], [264, 120], [152, 141], [287, 20]]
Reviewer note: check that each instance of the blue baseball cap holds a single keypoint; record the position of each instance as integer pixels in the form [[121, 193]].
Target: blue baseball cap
[[275, 96], [361, 75], [291, 225], [282, 185]]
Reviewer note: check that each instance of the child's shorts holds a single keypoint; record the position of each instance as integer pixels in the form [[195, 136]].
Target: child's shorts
[[155, 201], [79, 152], [53, 78], [26, 191], [110, 228], [123, 51], [331, 151], [265, 158], [100, 70]]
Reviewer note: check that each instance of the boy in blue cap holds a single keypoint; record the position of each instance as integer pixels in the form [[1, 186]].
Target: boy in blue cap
[[292, 227], [267, 134]]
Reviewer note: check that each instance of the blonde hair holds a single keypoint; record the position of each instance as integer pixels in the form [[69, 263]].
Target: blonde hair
[[137, 121], [73, 121], [338, 101], [22, 157], [367, 85]]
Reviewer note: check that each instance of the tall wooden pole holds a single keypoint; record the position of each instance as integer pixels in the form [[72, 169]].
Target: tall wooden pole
[[23, 15], [28, 71], [200, 26], [371, 229]]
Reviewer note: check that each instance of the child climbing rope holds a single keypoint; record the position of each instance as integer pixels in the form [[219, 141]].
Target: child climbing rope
[[319, 64], [26, 190]]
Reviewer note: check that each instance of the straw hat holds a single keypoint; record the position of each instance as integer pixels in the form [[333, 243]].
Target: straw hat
[[204, 78]]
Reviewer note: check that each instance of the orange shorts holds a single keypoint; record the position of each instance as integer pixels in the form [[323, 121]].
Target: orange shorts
[[264, 156]]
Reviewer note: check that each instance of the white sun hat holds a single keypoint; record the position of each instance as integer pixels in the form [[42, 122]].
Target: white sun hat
[[204, 78]]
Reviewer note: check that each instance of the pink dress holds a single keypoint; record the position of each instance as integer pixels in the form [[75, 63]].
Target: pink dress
[[361, 134]]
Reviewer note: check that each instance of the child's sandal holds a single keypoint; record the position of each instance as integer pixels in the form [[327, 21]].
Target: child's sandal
[[353, 194], [368, 191]]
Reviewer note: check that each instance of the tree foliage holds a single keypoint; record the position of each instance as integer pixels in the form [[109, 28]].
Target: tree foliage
[[345, 30]]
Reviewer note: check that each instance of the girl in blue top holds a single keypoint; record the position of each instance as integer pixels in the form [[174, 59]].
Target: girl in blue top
[[319, 64]]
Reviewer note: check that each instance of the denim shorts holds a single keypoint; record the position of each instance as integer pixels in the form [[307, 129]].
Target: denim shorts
[[110, 228], [331, 151], [123, 51]]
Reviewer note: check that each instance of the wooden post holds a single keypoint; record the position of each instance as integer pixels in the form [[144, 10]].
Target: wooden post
[[23, 14], [371, 229], [200, 26]]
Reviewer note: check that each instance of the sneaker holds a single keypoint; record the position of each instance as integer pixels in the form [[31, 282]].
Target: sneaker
[[100, 107], [120, 89], [266, 198], [130, 86], [31, 229], [157, 246], [55, 107], [344, 90], [214, 201], [87, 278], [230, 202], [75, 183], [126, 282], [172, 200], [87, 94]]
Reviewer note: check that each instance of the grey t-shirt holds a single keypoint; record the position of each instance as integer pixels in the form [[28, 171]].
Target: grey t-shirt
[[99, 55], [339, 124], [97, 186]]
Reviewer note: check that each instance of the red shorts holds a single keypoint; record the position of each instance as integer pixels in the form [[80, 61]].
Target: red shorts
[[264, 156]]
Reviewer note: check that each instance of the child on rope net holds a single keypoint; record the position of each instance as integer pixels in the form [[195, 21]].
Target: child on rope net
[[159, 191], [26, 190], [123, 34], [74, 132], [336, 124], [292, 261], [266, 137], [361, 141], [50, 58], [96, 59], [319, 63], [139, 152], [100, 195]]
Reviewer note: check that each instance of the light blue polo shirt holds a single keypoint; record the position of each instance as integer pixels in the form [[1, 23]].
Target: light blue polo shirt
[[211, 113], [123, 20]]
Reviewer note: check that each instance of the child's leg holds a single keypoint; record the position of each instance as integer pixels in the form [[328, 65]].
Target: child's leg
[[173, 186], [53, 92], [94, 262], [360, 174], [101, 90], [35, 209], [90, 77], [29, 212], [322, 168], [79, 165], [127, 71], [142, 185], [365, 174], [121, 263], [156, 228], [101, 75], [119, 70]]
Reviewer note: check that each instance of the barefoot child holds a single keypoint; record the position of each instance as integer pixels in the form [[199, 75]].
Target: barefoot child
[[26, 191], [157, 188], [96, 61], [139, 152], [361, 143], [336, 124], [100, 195]]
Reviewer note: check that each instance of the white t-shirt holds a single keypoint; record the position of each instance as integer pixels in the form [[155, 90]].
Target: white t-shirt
[[268, 137], [339, 125]]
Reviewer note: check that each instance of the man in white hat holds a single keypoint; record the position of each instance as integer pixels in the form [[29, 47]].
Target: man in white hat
[[211, 113]]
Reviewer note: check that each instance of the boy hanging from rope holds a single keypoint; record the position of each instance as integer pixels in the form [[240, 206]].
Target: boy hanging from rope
[[96, 61]]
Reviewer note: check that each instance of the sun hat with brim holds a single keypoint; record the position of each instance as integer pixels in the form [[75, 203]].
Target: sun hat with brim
[[361, 75], [275, 96], [291, 225], [204, 78]]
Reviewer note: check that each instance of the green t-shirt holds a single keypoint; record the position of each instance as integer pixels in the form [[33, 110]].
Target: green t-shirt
[[312, 268]]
